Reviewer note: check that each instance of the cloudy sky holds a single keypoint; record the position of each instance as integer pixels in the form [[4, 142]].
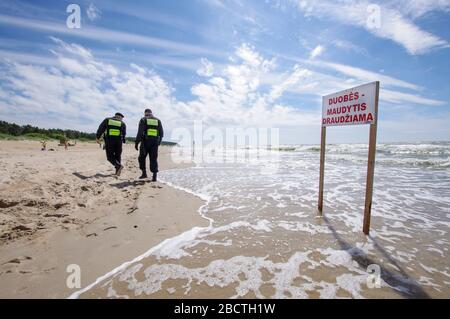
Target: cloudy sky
[[229, 63]]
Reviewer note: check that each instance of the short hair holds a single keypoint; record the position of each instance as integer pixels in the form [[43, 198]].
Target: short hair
[[148, 111], [119, 114]]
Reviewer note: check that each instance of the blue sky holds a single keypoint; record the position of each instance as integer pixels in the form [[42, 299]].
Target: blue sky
[[230, 63]]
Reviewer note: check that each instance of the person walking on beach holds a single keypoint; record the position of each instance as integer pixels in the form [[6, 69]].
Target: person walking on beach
[[150, 134], [114, 130]]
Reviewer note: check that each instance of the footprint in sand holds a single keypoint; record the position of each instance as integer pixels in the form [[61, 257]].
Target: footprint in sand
[[60, 205], [56, 215], [17, 260], [22, 228], [132, 210], [7, 204]]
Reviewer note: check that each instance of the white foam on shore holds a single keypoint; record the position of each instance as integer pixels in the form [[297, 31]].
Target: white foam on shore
[[304, 227], [247, 272], [202, 196], [261, 225]]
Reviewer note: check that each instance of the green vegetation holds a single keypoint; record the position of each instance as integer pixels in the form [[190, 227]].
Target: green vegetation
[[35, 136], [4, 136], [12, 131]]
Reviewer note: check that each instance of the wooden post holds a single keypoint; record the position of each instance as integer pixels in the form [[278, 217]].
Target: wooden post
[[322, 167], [371, 165]]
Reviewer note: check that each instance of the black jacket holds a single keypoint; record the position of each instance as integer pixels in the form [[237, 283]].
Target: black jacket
[[104, 126], [141, 135]]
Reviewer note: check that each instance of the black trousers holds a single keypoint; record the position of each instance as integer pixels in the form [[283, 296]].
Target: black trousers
[[114, 151], [149, 147]]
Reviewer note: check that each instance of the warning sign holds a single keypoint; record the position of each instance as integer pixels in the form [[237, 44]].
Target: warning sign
[[350, 107], [358, 105]]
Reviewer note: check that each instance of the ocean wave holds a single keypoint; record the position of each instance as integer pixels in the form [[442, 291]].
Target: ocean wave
[[431, 163], [284, 149], [384, 149]]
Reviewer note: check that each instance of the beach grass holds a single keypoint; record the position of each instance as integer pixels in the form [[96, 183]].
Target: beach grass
[[9, 137]]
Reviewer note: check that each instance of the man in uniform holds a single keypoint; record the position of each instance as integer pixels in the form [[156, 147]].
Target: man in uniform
[[150, 134], [114, 131]]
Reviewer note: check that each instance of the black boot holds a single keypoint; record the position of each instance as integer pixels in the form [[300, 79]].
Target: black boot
[[154, 177], [144, 175], [119, 170]]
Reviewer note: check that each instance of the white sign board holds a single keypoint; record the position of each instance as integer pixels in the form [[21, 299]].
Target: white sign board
[[350, 107]]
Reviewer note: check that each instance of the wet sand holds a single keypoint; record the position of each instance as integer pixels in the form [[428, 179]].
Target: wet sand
[[61, 208]]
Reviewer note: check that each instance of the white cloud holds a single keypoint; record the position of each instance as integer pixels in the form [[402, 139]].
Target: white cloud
[[400, 97], [73, 49], [215, 3], [396, 20], [322, 84], [349, 46], [322, 79], [365, 75], [418, 8], [79, 90], [93, 12], [109, 35], [207, 68], [292, 80], [318, 50], [26, 58], [236, 98]]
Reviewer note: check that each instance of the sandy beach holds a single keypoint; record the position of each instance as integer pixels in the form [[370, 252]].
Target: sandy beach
[[244, 234], [61, 208]]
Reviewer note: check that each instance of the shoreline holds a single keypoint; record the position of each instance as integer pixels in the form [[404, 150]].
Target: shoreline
[[192, 232], [129, 217]]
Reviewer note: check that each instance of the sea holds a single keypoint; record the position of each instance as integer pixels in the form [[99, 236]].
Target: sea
[[266, 238]]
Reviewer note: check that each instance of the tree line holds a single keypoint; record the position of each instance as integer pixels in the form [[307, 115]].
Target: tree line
[[16, 130], [29, 131]]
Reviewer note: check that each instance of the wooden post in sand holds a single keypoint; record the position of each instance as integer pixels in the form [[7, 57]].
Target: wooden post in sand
[[355, 106], [371, 165], [322, 167]]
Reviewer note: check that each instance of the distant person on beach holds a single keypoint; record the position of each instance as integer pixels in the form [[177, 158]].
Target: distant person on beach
[[66, 141], [150, 134], [114, 130]]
